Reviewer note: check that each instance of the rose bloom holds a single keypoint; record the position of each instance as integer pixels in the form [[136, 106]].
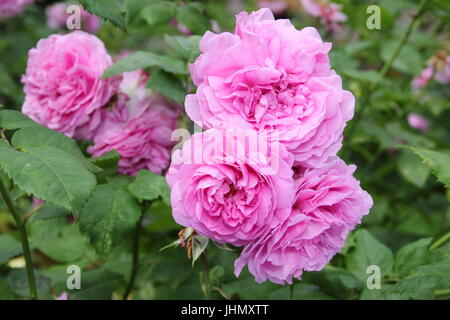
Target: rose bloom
[[63, 88], [270, 76], [329, 13], [231, 186], [138, 127], [418, 122], [57, 17], [10, 8], [329, 203]]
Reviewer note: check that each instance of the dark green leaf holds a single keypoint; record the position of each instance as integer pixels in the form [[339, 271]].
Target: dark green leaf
[[49, 174], [143, 59], [169, 85], [109, 217], [150, 186]]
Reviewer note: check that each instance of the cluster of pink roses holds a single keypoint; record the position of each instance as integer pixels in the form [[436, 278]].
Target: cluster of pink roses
[[265, 175], [65, 92]]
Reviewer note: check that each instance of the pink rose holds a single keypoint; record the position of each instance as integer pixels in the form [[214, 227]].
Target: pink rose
[[10, 8], [270, 76], [57, 17], [138, 127], [231, 186], [329, 203], [418, 122], [329, 13], [63, 88]]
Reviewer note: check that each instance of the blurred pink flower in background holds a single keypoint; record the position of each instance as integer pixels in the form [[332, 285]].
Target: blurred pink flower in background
[[443, 74], [138, 127], [418, 122], [63, 296], [57, 17], [10, 8], [422, 80], [277, 7], [63, 86], [329, 13], [329, 204]]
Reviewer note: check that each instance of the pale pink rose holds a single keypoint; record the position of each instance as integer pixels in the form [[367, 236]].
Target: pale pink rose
[[227, 187], [57, 17], [443, 75], [422, 80], [10, 8], [329, 203], [329, 13], [63, 88], [270, 76], [277, 7], [181, 27], [138, 127], [418, 122]]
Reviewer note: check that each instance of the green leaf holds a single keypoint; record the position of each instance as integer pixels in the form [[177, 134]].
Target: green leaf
[[49, 211], [199, 244], [108, 162], [412, 169], [11, 120], [58, 239], [144, 59], [370, 76], [49, 174], [40, 136], [109, 217], [9, 248], [368, 251], [408, 61], [411, 256], [97, 284], [8, 86], [159, 12], [18, 282], [185, 46], [193, 18], [5, 291], [150, 186], [110, 10], [334, 281], [169, 85], [438, 162]]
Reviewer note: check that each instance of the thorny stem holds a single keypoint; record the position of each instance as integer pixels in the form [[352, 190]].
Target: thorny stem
[[24, 241]]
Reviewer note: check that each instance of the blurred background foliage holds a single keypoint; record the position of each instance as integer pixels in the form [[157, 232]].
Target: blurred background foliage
[[406, 232]]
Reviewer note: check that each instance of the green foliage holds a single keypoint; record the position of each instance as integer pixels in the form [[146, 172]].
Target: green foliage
[[150, 186], [109, 10], [368, 251], [143, 59], [109, 217], [169, 85]]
